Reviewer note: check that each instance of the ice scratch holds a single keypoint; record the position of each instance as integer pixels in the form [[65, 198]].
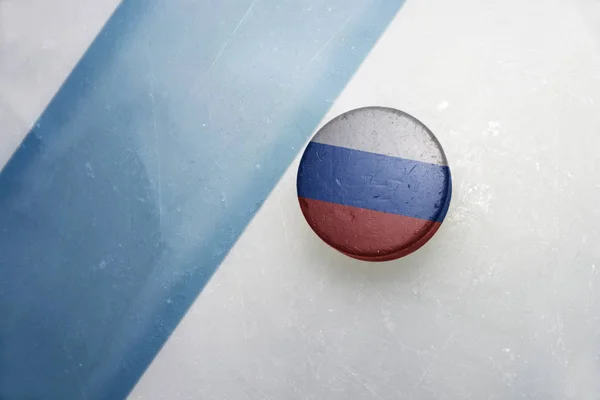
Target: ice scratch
[[318, 53], [158, 167], [429, 368], [240, 23], [367, 387]]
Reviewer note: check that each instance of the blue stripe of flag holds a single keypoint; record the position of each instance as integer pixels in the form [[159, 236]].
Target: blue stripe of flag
[[374, 181]]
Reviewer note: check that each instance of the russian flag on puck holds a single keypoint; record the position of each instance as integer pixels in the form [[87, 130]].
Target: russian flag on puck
[[374, 184]]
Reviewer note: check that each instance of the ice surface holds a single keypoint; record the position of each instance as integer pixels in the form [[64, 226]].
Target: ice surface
[[502, 304]]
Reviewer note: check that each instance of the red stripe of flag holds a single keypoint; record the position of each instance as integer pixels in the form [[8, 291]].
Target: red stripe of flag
[[380, 233]]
